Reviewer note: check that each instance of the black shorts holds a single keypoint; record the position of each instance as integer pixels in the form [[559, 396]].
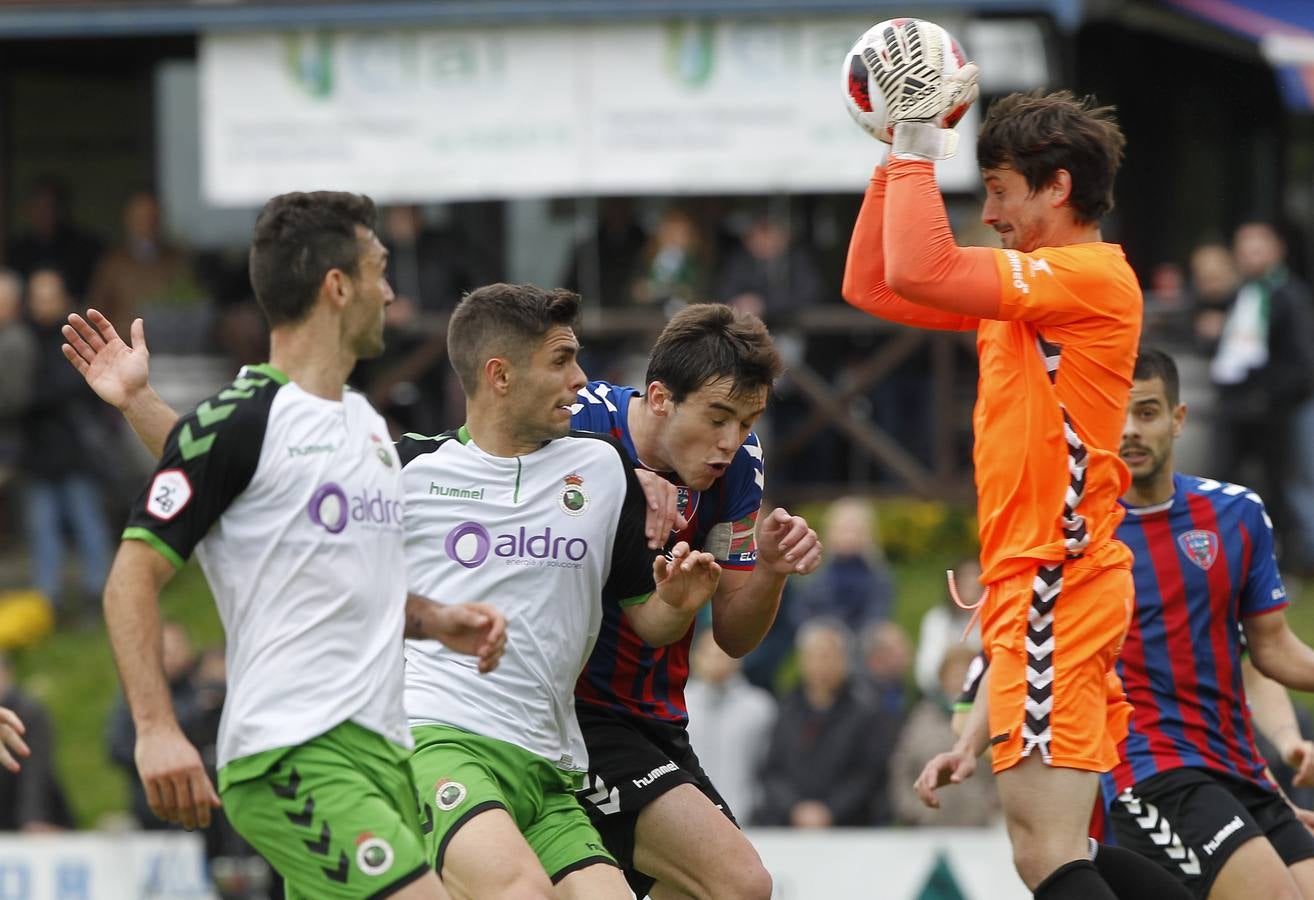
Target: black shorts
[[632, 762], [1191, 821]]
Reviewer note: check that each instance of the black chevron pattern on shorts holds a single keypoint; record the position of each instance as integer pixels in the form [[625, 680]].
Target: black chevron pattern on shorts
[[1076, 538], [1045, 590]]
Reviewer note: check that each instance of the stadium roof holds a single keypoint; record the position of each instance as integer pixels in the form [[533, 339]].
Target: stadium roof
[[107, 18], [1284, 30]]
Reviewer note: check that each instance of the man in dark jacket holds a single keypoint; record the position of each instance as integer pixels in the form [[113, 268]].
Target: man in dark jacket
[[828, 759], [1261, 368]]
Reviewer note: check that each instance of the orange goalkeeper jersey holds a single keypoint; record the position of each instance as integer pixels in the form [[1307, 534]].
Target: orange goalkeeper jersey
[[1057, 345]]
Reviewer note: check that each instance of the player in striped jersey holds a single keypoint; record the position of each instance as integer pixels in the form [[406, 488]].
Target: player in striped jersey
[[708, 379], [1190, 790], [701, 369]]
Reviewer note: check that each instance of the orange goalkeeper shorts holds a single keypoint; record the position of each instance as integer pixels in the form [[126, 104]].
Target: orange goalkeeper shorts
[[1052, 635]]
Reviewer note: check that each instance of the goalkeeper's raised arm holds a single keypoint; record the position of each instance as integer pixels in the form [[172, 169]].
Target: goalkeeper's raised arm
[[922, 95]]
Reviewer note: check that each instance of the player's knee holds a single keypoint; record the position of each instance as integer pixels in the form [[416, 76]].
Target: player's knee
[[739, 877], [749, 880], [758, 885]]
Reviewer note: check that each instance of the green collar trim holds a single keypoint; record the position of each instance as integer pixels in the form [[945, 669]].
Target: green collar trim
[[267, 370], [463, 434]]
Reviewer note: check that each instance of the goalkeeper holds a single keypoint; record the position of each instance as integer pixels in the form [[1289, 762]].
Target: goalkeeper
[[1057, 314]]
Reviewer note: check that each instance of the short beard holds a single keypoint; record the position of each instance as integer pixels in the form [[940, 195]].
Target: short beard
[[1144, 482]]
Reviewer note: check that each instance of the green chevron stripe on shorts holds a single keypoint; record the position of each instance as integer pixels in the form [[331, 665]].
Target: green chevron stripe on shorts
[[336, 816]]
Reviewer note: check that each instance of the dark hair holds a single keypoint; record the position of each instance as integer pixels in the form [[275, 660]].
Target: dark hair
[[706, 342], [1154, 363], [504, 320], [1037, 134], [299, 238]]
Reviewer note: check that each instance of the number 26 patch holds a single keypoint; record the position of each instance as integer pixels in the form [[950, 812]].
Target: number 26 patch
[[169, 495]]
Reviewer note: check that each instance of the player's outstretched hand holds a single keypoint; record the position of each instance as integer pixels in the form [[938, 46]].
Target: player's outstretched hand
[[786, 545], [951, 767], [1305, 816], [473, 628], [114, 370], [11, 739], [663, 508], [1300, 756], [177, 787], [688, 579]]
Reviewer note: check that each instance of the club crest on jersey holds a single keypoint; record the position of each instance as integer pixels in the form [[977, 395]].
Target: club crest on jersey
[[1200, 547], [448, 795], [373, 854], [381, 449], [574, 499]]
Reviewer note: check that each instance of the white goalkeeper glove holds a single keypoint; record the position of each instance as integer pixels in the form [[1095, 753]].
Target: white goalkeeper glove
[[908, 67]]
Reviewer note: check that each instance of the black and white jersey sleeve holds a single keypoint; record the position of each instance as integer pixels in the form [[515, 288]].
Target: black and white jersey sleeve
[[209, 459]]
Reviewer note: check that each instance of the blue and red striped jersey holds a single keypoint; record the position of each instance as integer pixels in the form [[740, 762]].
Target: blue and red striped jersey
[[624, 673], [1204, 561]]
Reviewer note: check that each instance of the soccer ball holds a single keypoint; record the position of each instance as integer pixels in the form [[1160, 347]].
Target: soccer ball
[[862, 96]]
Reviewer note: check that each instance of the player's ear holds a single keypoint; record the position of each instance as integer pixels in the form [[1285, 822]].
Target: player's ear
[[497, 375], [1179, 419], [1059, 189], [337, 287], [658, 397]]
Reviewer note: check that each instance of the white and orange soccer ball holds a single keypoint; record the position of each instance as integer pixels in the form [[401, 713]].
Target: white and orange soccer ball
[[862, 96]]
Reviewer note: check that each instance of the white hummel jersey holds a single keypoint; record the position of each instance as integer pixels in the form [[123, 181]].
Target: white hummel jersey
[[293, 505], [547, 538]]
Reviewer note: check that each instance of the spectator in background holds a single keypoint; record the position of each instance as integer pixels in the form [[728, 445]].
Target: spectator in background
[[52, 241], [179, 661], [1167, 306], [18, 351], [927, 730], [63, 456], [829, 753], [729, 721], [945, 625], [31, 799], [1213, 285], [1261, 368], [602, 266], [887, 657], [769, 276], [853, 585], [144, 270], [673, 268]]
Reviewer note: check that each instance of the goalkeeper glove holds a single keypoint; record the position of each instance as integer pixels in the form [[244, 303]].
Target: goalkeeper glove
[[908, 67]]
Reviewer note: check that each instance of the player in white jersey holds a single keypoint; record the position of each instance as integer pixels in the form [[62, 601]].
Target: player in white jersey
[[287, 490], [546, 526]]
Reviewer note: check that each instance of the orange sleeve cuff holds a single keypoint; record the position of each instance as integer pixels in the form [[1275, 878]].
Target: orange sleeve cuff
[[923, 262]]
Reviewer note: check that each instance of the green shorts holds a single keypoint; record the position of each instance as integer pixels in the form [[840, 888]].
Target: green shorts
[[336, 816], [459, 775]]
